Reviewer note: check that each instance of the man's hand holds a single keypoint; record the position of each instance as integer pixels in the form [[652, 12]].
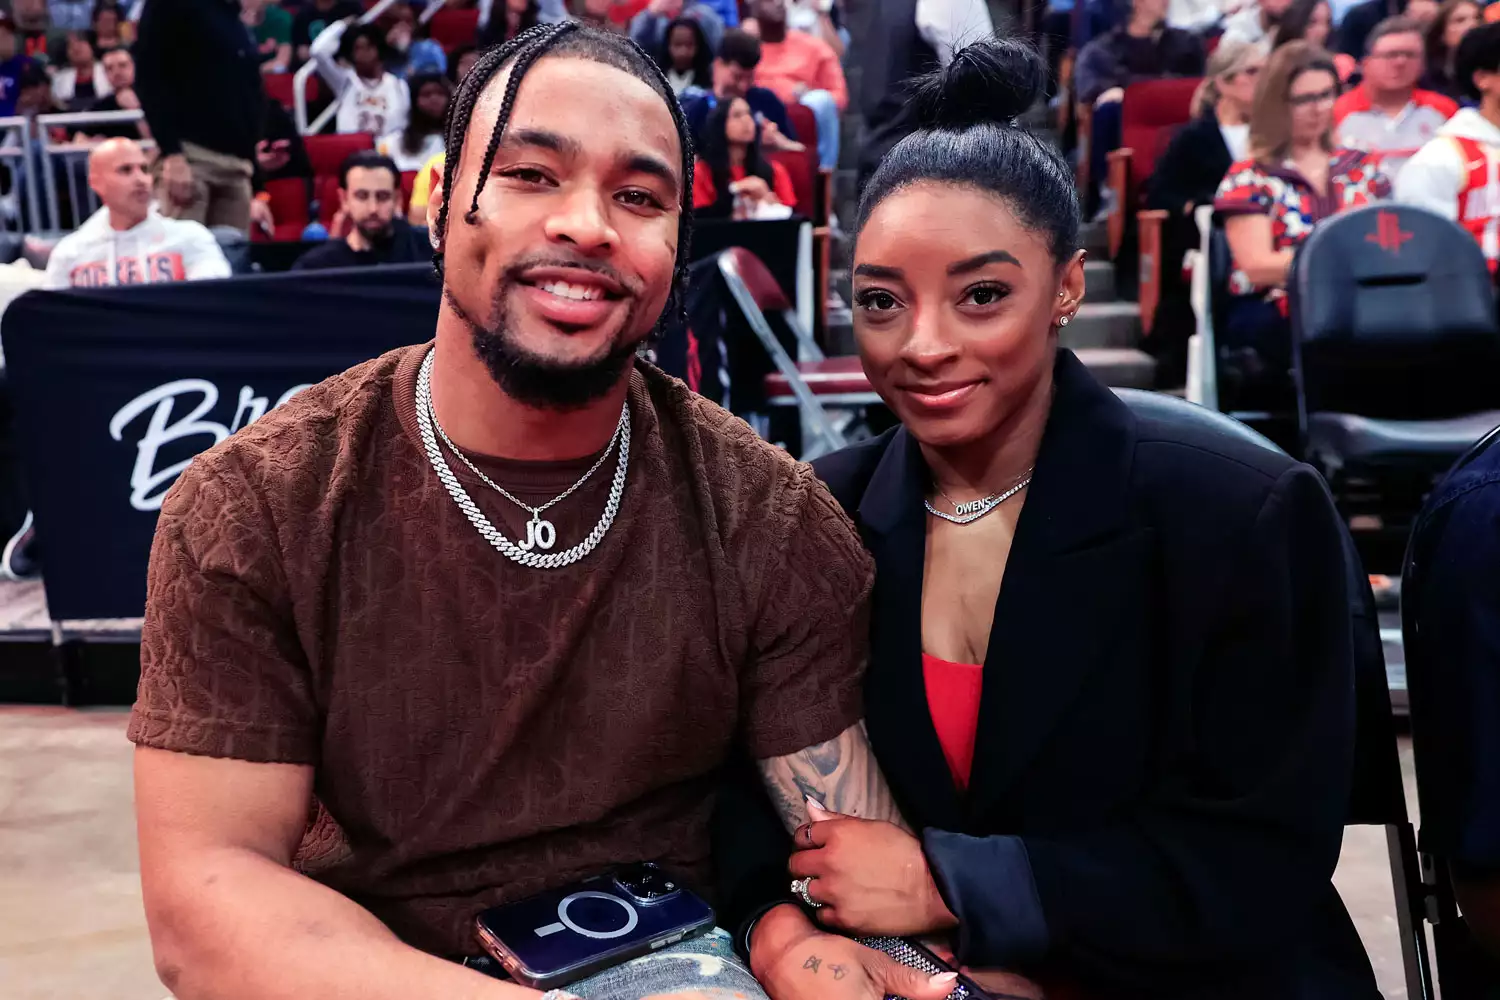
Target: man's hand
[[261, 217], [794, 960], [1110, 96], [177, 175], [771, 137], [668, 9], [871, 876], [127, 100], [272, 156]]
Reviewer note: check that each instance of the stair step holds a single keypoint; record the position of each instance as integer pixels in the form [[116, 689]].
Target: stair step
[[1094, 237], [1099, 281], [1103, 324], [1120, 368]]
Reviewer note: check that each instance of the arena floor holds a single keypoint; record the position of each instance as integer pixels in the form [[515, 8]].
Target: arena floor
[[71, 926]]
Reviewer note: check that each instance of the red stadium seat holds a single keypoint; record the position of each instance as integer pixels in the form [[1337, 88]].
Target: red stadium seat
[[330, 198], [288, 207], [806, 127], [408, 182], [1151, 112], [280, 87], [802, 168], [328, 152], [454, 29]]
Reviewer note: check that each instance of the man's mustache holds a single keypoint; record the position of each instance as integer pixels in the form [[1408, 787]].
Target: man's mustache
[[514, 271]]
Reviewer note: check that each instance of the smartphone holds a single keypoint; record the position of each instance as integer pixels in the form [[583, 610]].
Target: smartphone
[[568, 934]]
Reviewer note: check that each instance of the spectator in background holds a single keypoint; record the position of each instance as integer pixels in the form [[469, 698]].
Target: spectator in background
[[734, 76], [427, 180], [1294, 177], [649, 28], [898, 41], [272, 28], [108, 30], [1255, 22], [686, 58], [1308, 21], [1188, 174], [731, 177], [1457, 174], [313, 19], [409, 50], [1144, 48], [39, 38], [126, 242], [1387, 114], [198, 78], [819, 19], [1454, 20], [801, 69], [460, 62], [70, 15], [13, 63], [422, 138], [372, 99], [508, 19], [280, 155], [1361, 19], [81, 82], [119, 73], [371, 188], [1424, 12]]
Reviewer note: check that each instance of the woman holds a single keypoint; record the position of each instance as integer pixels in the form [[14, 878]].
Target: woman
[[686, 58], [109, 30], [371, 99], [1187, 175], [1111, 664], [410, 52], [1292, 178], [1453, 21], [731, 177], [1308, 21], [81, 82], [422, 139], [508, 20]]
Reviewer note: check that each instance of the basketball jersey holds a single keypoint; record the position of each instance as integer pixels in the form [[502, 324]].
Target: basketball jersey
[[1479, 198]]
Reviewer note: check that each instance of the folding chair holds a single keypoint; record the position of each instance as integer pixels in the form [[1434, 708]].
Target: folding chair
[[812, 381]]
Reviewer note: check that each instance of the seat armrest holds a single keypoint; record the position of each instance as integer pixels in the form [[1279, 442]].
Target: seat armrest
[[1150, 224], [1084, 113]]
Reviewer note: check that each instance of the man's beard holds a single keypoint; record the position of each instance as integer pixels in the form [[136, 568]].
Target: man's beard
[[539, 381], [378, 233]]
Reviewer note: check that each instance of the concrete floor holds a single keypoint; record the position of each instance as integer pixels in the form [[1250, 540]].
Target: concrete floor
[[71, 926]]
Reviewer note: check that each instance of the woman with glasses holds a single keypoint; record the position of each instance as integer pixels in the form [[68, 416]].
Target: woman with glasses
[[1293, 176]]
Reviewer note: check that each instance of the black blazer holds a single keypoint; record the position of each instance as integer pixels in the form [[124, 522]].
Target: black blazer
[[1190, 170], [1167, 723]]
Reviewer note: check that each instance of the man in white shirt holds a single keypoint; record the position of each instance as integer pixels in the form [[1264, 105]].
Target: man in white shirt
[[126, 242], [370, 99]]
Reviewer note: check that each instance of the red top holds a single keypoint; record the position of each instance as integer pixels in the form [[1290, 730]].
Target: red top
[[704, 194], [953, 700]]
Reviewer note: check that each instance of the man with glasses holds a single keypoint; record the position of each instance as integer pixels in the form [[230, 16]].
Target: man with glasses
[[1387, 114]]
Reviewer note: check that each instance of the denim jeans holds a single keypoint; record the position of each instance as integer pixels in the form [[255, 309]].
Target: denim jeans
[[821, 104], [704, 965]]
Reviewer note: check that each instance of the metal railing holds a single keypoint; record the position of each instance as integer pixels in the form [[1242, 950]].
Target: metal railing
[[307, 69], [31, 159]]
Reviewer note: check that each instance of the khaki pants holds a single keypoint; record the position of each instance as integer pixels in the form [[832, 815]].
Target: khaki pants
[[221, 190]]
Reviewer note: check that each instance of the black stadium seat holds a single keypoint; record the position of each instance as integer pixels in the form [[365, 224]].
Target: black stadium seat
[[1396, 351]]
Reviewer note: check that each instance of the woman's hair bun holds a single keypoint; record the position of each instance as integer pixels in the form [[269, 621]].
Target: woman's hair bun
[[989, 82]]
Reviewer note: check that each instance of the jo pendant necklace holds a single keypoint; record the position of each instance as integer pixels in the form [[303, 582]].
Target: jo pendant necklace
[[973, 510], [541, 534]]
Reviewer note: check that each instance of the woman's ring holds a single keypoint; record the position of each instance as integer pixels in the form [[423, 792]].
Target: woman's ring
[[800, 886]]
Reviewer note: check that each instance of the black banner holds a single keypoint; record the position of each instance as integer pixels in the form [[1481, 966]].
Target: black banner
[[116, 389]]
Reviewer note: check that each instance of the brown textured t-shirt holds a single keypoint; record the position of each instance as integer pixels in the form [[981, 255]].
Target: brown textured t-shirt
[[480, 730]]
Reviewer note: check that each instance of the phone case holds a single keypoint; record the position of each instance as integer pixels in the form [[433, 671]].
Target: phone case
[[568, 934], [913, 955]]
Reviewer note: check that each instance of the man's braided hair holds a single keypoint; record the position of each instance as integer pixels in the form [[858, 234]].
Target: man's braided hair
[[522, 52]]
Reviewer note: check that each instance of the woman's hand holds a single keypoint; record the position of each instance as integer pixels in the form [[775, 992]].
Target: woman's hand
[[754, 188], [872, 877], [794, 960]]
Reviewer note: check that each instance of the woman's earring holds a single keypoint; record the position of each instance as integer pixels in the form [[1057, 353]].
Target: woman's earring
[[1064, 321]]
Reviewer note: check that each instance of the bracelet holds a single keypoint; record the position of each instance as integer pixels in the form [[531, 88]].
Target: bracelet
[[560, 995], [264, 196]]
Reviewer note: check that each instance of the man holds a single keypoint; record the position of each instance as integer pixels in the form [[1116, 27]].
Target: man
[[315, 18], [1387, 114], [1457, 174], [12, 64], [799, 68], [734, 76], [481, 699], [898, 41], [40, 38], [1255, 22], [648, 29], [198, 77], [119, 72], [1144, 48], [126, 242], [371, 187]]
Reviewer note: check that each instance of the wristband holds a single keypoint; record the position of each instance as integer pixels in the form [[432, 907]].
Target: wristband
[[264, 196]]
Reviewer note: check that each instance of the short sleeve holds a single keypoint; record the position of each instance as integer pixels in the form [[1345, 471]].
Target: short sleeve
[[786, 193], [222, 669], [704, 194], [809, 640], [1245, 190]]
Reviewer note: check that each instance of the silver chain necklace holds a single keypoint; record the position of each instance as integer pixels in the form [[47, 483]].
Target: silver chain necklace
[[523, 553], [968, 513]]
